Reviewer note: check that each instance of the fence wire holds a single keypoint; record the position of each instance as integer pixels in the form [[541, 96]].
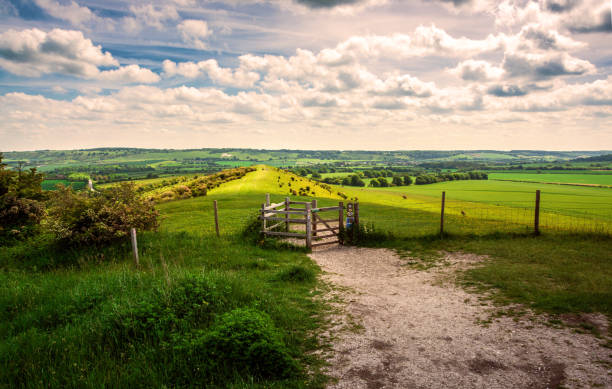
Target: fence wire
[[421, 216]]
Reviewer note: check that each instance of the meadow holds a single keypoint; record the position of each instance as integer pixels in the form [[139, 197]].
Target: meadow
[[603, 178], [51, 184]]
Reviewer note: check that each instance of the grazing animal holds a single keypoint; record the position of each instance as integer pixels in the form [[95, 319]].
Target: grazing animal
[[463, 213]]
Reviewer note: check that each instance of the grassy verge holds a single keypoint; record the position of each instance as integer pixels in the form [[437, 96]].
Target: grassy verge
[[553, 273], [181, 320]]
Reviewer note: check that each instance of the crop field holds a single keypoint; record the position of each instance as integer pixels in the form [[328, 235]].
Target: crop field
[[51, 184], [589, 178]]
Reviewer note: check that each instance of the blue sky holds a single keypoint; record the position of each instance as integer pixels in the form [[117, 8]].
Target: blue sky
[[324, 74]]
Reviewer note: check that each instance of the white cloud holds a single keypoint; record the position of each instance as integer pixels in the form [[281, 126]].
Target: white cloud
[[542, 66], [578, 16], [74, 13], [34, 52], [194, 32], [476, 70], [156, 17], [210, 68], [132, 74]]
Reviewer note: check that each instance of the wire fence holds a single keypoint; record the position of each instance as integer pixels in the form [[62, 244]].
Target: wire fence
[[416, 216]]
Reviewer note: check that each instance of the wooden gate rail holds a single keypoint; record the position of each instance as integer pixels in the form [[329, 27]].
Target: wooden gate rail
[[310, 215]]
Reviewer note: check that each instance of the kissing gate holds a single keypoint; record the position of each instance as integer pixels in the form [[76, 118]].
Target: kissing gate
[[277, 219]]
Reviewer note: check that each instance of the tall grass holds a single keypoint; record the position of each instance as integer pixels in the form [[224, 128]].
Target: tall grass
[[96, 320]]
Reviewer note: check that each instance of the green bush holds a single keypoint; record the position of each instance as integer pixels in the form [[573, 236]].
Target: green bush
[[101, 217], [21, 209], [243, 340]]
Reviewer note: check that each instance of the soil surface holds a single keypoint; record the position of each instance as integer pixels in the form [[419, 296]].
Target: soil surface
[[397, 327]]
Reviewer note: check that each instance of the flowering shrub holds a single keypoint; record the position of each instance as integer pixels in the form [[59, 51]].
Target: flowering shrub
[[20, 208], [99, 217]]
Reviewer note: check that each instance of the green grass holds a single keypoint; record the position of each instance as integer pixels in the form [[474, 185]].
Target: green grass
[[550, 273], [62, 312], [561, 178], [51, 184]]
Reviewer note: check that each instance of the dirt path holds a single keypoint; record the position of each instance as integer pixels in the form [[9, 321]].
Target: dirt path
[[403, 328]]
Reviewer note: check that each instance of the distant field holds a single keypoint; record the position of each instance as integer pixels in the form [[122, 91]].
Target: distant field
[[593, 178], [51, 184], [472, 207]]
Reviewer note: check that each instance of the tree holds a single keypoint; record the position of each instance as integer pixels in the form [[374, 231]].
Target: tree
[[407, 180], [397, 181], [382, 181], [356, 181]]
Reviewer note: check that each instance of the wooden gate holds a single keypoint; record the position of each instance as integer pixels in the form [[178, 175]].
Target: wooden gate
[[322, 225]]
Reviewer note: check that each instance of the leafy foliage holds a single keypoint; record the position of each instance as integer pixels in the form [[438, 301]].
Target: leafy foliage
[[244, 340], [21, 209], [101, 217]]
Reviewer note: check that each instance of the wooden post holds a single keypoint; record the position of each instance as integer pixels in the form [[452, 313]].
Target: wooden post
[[536, 223], [263, 216], [340, 222], [308, 226], [314, 220], [356, 210], [442, 214], [134, 246], [267, 199], [286, 215], [216, 218]]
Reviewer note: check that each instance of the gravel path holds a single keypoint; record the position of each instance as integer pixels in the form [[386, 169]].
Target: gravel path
[[404, 328]]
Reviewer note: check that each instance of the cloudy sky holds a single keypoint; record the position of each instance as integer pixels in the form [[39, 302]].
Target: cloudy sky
[[306, 74]]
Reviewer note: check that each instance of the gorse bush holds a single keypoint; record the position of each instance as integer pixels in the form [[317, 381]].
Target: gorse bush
[[21, 209], [100, 217], [187, 187]]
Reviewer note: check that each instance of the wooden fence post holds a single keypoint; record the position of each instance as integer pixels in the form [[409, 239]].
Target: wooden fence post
[[536, 222], [287, 215], [314, 220], [134, 246], [356, 210], [442, 214], [216, 218], [308, 226], [341, 222], [267, 199], [263, 216]]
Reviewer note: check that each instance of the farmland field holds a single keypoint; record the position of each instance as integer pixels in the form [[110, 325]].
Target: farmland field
[[591, 178], [51, 184]]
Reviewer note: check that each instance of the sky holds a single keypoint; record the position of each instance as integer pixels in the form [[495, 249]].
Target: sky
[[306, 74]]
